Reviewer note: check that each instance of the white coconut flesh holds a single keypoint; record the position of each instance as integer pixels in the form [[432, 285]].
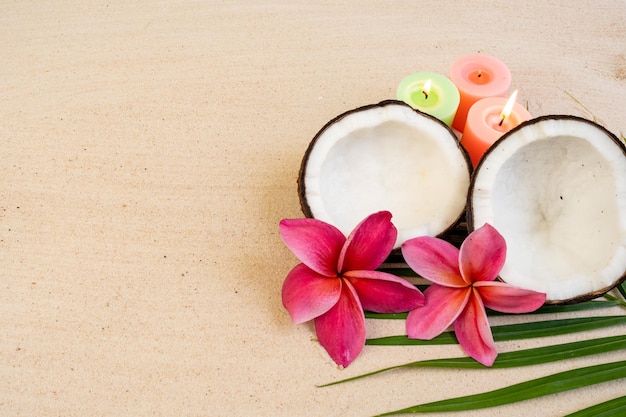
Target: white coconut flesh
[[555, 188], [386, 157]]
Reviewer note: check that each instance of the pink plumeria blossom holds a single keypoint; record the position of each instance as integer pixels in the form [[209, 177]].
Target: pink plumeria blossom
[[337, 280], [463, 285]]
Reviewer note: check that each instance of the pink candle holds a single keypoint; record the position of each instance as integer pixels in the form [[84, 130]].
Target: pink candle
[[478, 76], [487, 121]]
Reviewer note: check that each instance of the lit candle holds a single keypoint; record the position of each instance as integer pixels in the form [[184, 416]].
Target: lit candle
[[478, 76], [488, 120], [430, 93]]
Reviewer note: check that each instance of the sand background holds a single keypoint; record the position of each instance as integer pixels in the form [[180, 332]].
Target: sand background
[[149, 150]]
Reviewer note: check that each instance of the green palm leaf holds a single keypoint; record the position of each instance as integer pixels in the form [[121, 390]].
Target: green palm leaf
[[613, 408], [551, 384], [622, 289], [513, 331], [518, 358], [546, 309]]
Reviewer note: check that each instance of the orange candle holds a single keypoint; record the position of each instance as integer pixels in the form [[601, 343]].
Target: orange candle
[[488, 120], [478, 76]]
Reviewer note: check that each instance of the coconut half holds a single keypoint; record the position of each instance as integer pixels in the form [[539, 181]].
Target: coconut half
[[386, 156], [555, 188]]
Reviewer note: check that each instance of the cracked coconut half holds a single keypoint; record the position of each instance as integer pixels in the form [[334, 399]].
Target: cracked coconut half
[[555, 188], [386, 156]]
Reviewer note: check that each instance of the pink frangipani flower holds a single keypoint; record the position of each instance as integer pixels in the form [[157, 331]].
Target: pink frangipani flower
[[463, 285], [337, 280]]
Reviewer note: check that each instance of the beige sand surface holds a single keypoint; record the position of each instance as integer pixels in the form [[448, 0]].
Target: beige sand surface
[[149, 150]]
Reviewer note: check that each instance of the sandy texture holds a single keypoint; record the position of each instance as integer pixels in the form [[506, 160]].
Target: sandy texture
[[149, 150]]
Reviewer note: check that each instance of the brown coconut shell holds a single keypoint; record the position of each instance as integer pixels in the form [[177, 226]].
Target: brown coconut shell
[[470, 209], [455, 229]]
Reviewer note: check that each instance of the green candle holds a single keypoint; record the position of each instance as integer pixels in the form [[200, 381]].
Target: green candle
[[430, 93]]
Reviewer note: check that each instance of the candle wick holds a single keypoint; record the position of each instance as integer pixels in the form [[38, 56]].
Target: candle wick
[[501, 120], [480, 73], [425, 94]]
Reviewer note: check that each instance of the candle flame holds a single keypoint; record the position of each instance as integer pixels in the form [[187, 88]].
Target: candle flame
[[426, 87], [508, 107]]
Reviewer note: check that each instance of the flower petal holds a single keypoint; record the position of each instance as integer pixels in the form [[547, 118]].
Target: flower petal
[[369, 244], [315, 243], [307, 294], [482, 254], [473, 332], [385, 293], [443, 306], [341, 330], [434, 259], [508, 299]]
